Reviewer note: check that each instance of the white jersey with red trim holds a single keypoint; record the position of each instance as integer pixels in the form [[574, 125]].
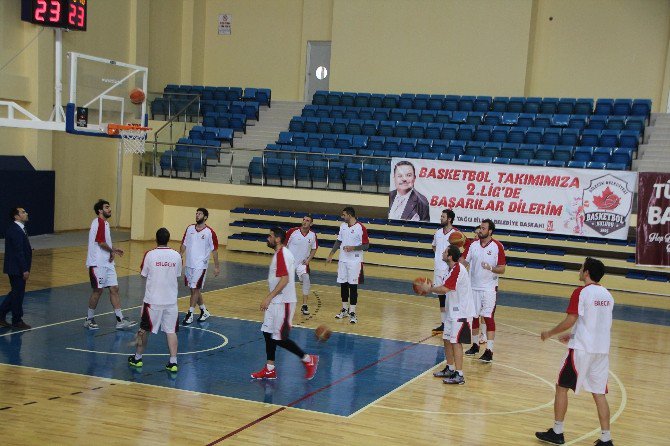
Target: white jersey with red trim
[[492, 253], [301, 245], [199, 244], [99, 233], [354, 235], [283, 264], [460, 303], [161, 266], [593, 304], [441, 243]]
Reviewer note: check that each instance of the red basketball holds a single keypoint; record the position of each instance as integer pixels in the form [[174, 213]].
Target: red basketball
[[137, 96], [322, 333], [417, 285], [457, 238]]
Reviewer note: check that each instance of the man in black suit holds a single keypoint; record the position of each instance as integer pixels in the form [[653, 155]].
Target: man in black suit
[[18, 259], [405, 202]]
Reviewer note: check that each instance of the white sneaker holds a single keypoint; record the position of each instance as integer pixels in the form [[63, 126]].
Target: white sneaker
[[90, 324], [352, 318], [125, 323], [304, 310], [188, 319], [204, 315], [342, 314]]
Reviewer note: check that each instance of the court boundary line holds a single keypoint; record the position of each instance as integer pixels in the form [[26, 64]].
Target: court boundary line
[[317, 391]]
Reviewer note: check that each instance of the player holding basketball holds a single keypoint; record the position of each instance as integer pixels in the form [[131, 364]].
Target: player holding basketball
[[440, 244], [353, 238], [460, 310], [303, 243], [486, 261], [199, 241], [101, 267], [586, 364], [160, 267], [279, 306]]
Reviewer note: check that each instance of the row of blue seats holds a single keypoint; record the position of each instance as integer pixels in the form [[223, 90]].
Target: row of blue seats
[[210, 149], [261, 95], [328, 172], [189, 162], [542, 156], [233, 121], [639, 107], [412, 144], [170, 107], [600, 122], [465, 132], [506, 150], [220, 134], [427, 225]]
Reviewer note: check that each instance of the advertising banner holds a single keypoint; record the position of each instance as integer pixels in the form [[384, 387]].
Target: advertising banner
[[653, 219], [582, 202]]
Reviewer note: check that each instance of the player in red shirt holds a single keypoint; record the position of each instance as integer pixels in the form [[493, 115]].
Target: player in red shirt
[[586, 365]]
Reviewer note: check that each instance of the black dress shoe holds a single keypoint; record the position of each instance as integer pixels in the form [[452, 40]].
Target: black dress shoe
[[21, 326], [4, 323]]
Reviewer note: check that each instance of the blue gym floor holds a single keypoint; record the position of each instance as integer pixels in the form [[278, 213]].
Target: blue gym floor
[[217, 356]]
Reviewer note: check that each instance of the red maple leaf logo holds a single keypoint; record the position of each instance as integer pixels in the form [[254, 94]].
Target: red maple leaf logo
[[607, 201]]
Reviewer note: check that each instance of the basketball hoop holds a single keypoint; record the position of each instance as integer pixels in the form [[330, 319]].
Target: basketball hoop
[[133, 136]]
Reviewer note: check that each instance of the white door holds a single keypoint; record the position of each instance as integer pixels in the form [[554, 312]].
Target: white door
[[318, 68]]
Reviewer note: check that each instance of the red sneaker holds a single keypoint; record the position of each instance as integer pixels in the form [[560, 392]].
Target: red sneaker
[[310, 367], [265, 374]]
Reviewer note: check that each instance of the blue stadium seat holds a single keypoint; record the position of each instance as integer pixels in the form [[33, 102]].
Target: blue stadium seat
[[641, 107], [428, 116], [418, 129], [390, 101], [499, 133], [578, 121], [609, 138], [493, 118], [483, 159], [622, 107], [499, 104], [577, 164], [433, 130], [601, 155], [534, 135], [492, 149], [519, 161], [482, 104], [435, 102], [525, 152], [616, 123], [551, 136], [622, 155], [467, 103], [532, 105], [420, 102], [401, 129], [604, 107], [465, 132], [482, 133], [362, 100], [516, 104], [549, 106], [569, 137], [583, 106], [556, 163], [446, 157], [566, 106], [474, 118], [449, 131], [516, 135], [526, 120], [595, 165], [563, 153], [376, 100], [451, 102], [466, 158], [636, 123], [375, 142], [590, 137], [537, 162], [583, 154], [616, 166], [500, 160], [629, 138], [443, 116], [598, 122], [543, 120], [544, 152]]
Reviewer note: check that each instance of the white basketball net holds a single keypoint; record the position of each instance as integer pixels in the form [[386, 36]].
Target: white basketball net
[[133, 140]]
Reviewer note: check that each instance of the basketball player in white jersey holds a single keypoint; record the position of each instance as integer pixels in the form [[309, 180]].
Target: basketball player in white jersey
[[586, 365], [160, 267], [440, 245], [460, 309], [303, 243], [278, 307], [101, 267], [353, 238], [199, 241], [486, 260]]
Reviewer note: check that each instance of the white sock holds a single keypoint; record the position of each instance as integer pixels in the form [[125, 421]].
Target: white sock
[[352, 308], [90, 314], [118, 314], [489, 345], [450, 367], [191, 309], [605, 436], [270, 367], [203, 307], [138, 356], [460, 372], [306, 358], [558, 427], [173, 359]]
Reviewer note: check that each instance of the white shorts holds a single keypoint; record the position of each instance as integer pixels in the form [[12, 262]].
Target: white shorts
[[102, 277], [585, 370], [164, 316], [485, 302], [457, 331], [194, 277], [439, 277], [278, 320], [350, 272], [301, 270]]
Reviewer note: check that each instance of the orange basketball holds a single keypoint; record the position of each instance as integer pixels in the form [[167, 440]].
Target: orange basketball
[[322, 333], [137, 96], [457, 238], [417, 285]]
